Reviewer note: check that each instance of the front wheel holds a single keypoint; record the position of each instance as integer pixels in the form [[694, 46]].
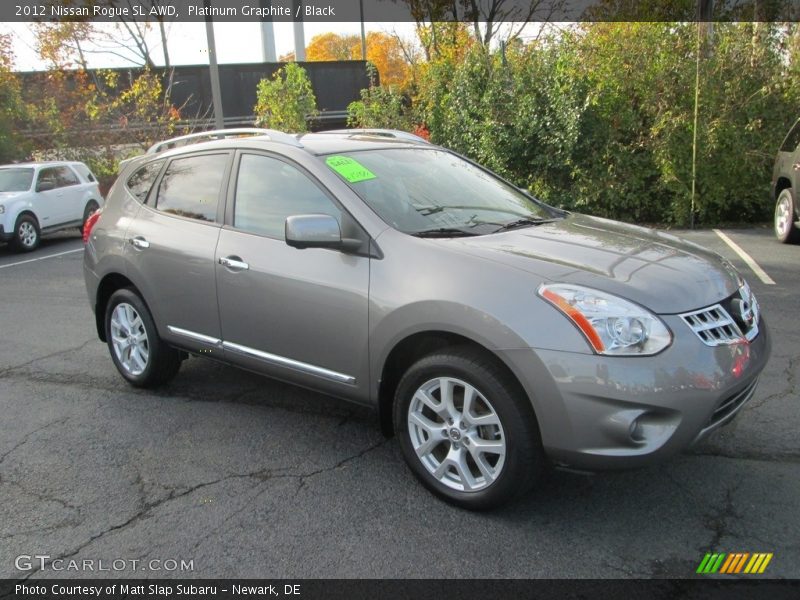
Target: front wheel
[[785, 211], [26, 234], [139, 354], [466, 429]]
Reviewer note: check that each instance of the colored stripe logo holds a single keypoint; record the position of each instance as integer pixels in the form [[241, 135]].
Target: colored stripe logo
[[734, 563]]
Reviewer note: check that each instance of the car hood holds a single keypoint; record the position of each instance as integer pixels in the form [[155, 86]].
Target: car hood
[[10, 195], [660, 271]]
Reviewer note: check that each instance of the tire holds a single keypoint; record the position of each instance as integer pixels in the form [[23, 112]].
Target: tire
[[91, 207], [26, 234], [512, 458], [785, 215], [147, 361]]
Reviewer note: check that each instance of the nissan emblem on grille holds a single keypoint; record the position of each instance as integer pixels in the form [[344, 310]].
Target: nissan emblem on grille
[[716, 326], [743, 313]]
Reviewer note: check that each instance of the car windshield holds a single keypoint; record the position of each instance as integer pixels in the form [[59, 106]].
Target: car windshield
[[431, 191], [15, 180]]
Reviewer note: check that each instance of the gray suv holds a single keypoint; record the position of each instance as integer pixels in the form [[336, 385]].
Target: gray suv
[[493, 334]]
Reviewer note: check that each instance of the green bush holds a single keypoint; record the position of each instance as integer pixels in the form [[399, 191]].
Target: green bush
[[286, 101], [380, 107], [600, 119]]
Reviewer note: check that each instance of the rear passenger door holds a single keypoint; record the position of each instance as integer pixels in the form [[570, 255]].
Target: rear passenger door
[[72, 194], [170, 247], [299, 315]]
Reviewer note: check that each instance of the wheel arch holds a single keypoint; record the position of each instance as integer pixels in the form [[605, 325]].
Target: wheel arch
[[781, 184], [28, 211], [108, 285], [412, 348]]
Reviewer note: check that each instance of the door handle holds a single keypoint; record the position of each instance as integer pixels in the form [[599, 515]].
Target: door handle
[[796, 166], [234, 263], [139, 242]]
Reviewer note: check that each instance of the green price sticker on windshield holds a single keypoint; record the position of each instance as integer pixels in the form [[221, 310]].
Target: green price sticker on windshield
[[352, 170]]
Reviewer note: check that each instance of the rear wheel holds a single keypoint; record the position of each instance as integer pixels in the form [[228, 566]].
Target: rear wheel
[[467, 430], [26, 234], [785, 213], [138, 352]]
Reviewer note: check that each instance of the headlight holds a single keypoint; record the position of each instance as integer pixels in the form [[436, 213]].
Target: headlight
[[610, 324]]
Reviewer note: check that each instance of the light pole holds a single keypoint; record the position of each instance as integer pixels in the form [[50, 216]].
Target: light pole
[[216, 93]]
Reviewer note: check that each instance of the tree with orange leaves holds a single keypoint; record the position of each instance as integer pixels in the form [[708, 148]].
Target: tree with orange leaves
[[383, 50]]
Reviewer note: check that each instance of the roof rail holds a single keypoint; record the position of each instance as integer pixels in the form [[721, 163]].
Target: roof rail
[[384, 133], [219, 134]]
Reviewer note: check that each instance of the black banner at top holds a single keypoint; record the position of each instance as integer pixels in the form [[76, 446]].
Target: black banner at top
[[398, 10]]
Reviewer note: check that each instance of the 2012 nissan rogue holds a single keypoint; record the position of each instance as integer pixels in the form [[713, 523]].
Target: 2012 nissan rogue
[[494, 334]]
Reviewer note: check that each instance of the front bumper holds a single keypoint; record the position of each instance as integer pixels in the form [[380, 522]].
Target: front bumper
[[600, 412], [5, 236]]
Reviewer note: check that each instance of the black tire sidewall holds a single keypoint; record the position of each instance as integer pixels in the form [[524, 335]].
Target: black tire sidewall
[[524, 456], [18, 242], [156, 347]]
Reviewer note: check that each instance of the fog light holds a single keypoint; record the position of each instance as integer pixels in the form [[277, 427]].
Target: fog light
[[635, 431]]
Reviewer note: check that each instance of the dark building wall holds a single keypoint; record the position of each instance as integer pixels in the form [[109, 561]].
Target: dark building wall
[[335, 84]]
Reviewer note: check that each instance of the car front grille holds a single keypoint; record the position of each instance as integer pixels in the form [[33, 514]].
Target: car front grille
[[715, 325]]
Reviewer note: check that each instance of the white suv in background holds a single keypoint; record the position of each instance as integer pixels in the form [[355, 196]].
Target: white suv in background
[[37, 198]]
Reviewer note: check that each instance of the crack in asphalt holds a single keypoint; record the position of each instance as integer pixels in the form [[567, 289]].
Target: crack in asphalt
[[40, 496], [234, 514], [30, 434], [717, 522], [11, 369], [263, 475], [791, 381]]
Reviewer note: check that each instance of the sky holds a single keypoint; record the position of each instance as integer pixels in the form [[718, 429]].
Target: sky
[[235, 42]]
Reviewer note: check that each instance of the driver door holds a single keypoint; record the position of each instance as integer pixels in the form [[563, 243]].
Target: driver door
[[297, 315]]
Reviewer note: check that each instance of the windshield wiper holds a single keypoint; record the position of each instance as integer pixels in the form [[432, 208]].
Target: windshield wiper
[[524, 222], [442, 232]]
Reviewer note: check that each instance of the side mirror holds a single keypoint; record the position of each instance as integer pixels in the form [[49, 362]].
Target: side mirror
[[45, 185], [316, 231]]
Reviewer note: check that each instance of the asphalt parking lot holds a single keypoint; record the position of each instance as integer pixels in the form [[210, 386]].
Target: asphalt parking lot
[[246, 477]]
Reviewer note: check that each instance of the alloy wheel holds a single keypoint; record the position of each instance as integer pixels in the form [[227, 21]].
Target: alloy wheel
[[129, 339], [783, 216], [27, 234], [456, 434]]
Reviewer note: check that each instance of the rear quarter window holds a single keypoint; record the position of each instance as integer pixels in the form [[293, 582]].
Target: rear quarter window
[[141, 181], [191, 186]]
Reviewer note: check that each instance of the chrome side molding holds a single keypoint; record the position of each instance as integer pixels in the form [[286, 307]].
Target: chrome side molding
[[291, 363], [274, 359], [192, 335]]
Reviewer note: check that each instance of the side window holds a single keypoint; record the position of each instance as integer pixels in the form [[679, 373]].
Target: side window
[[47, 176], [84, 172], [269, 190], [792, 140], [65, 177], [190, 186], [142, 180]]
